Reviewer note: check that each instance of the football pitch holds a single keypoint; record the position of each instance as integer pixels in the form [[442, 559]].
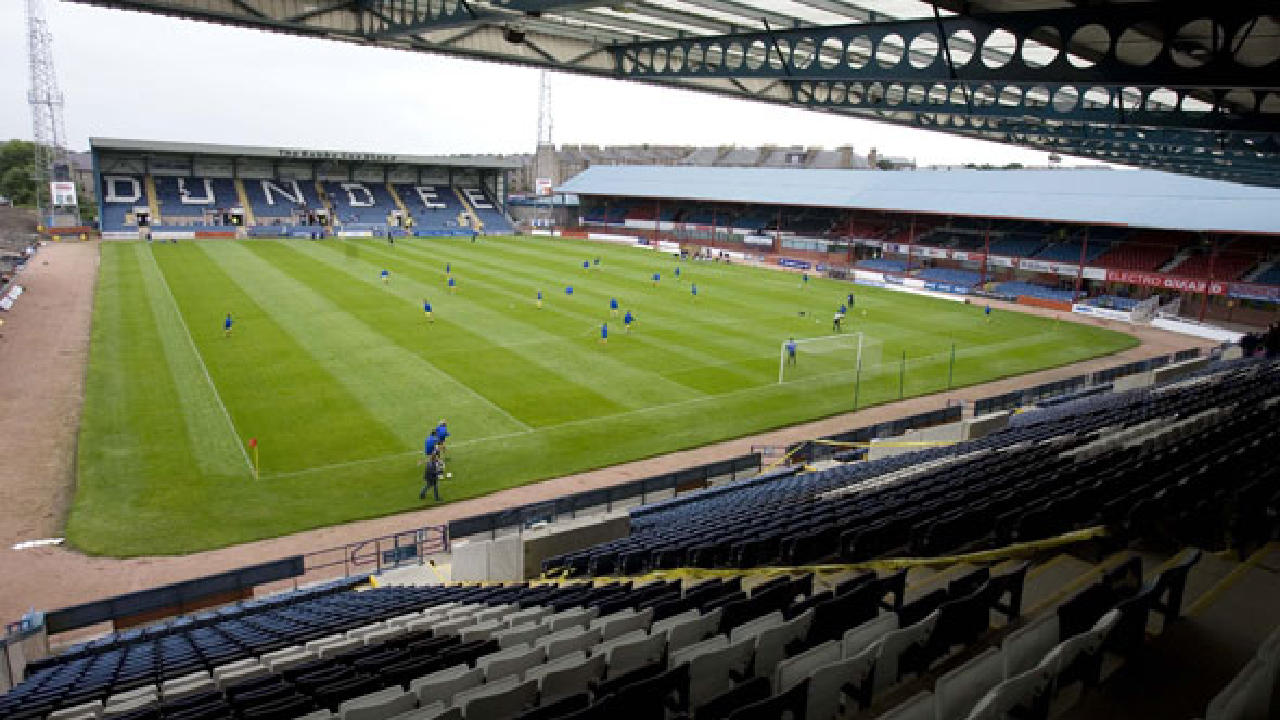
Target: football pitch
[[339, 375]]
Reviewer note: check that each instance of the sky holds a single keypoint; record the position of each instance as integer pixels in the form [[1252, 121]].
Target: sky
[[142, 76]]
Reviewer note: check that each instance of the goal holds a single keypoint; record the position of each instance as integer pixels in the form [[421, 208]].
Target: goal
[[827, 355]]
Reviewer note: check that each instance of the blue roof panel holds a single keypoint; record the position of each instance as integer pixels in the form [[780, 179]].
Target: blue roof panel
[[1134, 198]]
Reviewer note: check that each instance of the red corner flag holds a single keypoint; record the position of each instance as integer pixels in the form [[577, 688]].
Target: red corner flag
[[253, 443]]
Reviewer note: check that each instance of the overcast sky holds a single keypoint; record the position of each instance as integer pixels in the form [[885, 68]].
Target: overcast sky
[[135, 75]]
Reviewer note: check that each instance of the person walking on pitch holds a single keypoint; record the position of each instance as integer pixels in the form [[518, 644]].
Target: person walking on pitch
[[837, 319], [791, 351], [613, 307], [987, 312], [694, 290], [656, 278], [453, 285], [426, 310], [539, 299], [226, 326], [604, 333], [431, 474], [627, 320], [386, 276]]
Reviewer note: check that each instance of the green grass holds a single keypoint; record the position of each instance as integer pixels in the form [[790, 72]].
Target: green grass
[[339, 376]]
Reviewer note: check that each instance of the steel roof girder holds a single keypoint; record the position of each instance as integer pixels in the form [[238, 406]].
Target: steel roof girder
[[949, 98], [880, 49]]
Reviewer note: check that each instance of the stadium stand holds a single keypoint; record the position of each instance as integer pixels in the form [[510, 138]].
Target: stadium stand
[[121, 194], [1069, 251], [1180, 466], [1147, 251], [950, 276], [1226, 265], [491, 219], [1017, 246], [360, 204], [188, 197], [434, 209], [280, 198], [882, 265], [1016, 289]]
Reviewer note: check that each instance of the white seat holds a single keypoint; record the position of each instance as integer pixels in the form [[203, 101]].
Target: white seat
[[379, 705], [1018, 691], [797, 668], [918, 707], [239, 674], [512, 661], [826, 683], [337, 648], [897, 642], [710, 672], [620, 624], [570, 679], [128, 705], [665, 624], [320, 715], [451, 626], [492, 703], [694, 631], [528, 615], [573, 617], [771, 644], [479, 631], [1024, 648], [857, 639], [381, 635], [1246, 697], [494, 613], [753, 628], [563, 661], [623, 657], [685, 654], [443, 684], [567, 641], [434, 711], [143, 692], [85, 711], [958, 691], [464, 609], [1089, 642], [517, 634], [278, 662], [181, 687]]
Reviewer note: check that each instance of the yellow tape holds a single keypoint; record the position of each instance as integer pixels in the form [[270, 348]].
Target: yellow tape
[[1004, 553]]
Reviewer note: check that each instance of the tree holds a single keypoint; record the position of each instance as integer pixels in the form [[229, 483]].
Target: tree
[[17, 164]]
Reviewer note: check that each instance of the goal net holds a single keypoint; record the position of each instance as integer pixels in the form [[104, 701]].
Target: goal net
[[828, 356]]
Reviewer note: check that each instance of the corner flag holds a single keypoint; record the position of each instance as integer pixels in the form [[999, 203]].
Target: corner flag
[[253, 443]]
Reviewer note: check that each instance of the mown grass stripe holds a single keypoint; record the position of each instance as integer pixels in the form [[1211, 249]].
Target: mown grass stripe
[[208, 420]]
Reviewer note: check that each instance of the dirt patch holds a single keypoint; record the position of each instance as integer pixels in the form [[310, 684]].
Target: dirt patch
[[44, 353]]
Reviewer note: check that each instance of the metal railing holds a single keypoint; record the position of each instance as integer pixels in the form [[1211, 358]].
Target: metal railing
[[372, 556]]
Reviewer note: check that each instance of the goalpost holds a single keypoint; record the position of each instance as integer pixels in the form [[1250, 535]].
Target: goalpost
[[824, 355]]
